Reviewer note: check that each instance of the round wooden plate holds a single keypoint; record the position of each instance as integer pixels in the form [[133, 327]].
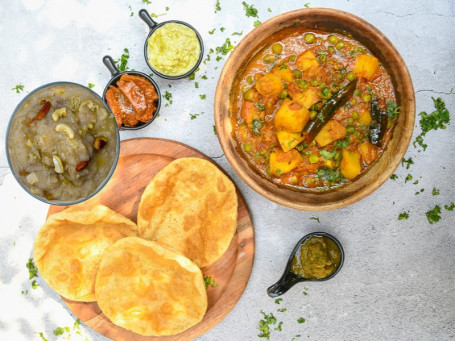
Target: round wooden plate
[[140, 159]]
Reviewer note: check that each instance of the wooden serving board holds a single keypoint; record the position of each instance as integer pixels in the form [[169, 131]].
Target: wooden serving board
[[140, 159]]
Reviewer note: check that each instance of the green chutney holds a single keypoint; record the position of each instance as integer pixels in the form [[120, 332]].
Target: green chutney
[[318, 257]]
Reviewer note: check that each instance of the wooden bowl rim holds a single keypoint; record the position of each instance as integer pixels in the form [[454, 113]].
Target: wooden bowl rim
[[345, 195]]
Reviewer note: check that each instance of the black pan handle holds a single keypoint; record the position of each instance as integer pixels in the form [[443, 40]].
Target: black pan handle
[[144, 15], [110, 64], [285, 283]]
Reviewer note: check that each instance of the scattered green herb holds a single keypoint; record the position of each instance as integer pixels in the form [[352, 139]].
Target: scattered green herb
[[32, 270], [41, 335], [196, 85], [282, 310], [433, 121], [433, 215], [237, 33], [394, 177], [257, 23], [34, 284], [315, 218], [329, 174], [278, 300], [403, 215], [90, 85], [449, 208], [305, 293], [279, 326], [307, 5], [301, 320], [408, 162], [131, 10], [269, 9], [214, 130], [408, 178], [154, 15], [168, 96], [194, 116], [61, 330], [123, 61], [435, 191], [392, 109], [250, 11], [326, 155], [147, 2], [259, 106], [217, 6], [264, 325], [24, 292], [209, 281], [212, 31], [202, 96], [415, 182], [222, 29], [225, 48], [18, 88], [256, 125]]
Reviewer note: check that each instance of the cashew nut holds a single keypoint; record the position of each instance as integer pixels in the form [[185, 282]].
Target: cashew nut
[[62, 127], [58, 113], [58, 166], [32, 178]]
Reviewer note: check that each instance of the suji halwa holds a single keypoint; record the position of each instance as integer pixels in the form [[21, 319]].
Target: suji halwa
[[62, 143], [313, 109]]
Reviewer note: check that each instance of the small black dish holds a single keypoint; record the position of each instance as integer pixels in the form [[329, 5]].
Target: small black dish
[[116, 74], [288, 279], [153, 25]]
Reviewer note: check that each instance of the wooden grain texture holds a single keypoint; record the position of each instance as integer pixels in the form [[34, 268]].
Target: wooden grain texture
[[327, 20], [140, 159]]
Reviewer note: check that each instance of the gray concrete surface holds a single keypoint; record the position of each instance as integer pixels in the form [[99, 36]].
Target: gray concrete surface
[[398, 279]]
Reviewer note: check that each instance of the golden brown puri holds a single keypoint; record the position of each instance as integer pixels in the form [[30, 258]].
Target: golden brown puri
[[191, 206], [149, 288], [69, 246]]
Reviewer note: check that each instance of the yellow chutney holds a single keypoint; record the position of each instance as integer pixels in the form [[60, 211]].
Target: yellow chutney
[[173, 49], [318, 257]]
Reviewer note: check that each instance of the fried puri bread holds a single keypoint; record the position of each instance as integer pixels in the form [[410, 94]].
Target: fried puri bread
[[149, 288], [69, 246], [191, 206]]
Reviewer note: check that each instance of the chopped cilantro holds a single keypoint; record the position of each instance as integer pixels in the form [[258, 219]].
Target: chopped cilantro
[[394, 177], [305, 293], [282, 310], [392, 109], [217, 6], [278, 300], [167, 8], [32, 270], [222, 29], [154, 15], [269, 9], [194, 116], [123, 61], [168, 96], [196, 85], [433, 215], [408, 178], [61, 330], [34, 284], [24, 292], [202, 96], [192, 76], [329, 174], [435, 191], [209, 281], [326, 155], [301, 320], [18, 88], [257, 23], [433, 121], [41, 335], [214, 130], [131, 10], [315, 218], [259, 106], [415, 182], [341, 143], [265, 323], [279, 325], [218, 58], [204, 77], [450, 208], [403, 215], [212, 31], [408, 162], [237, 33], [250, 11], [256, 125], [90, 85], [225, 48], [307, 5], [147, 2]]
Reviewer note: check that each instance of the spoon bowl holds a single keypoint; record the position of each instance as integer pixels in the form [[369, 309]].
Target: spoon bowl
[[289, 278]]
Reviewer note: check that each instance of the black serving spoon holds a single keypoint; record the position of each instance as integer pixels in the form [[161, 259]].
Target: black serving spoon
[[153, 25], [288, 279], [116, 74]]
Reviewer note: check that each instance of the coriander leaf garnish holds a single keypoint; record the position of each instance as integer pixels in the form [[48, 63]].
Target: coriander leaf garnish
[[301, 320], [250, 11], [147, 2], [408, 162], [257, 23], [209, 281], [202, 96], [282, 310], [392, 109], [41, 335], [131, 10], [307, 5], [217, 6], [394, 177], [90, 85], [433, 215], [279, 325], [278, 300], [435, 191], [225, 48], [18, 88], [154, 15], [237, 33], [32, 270], [408, 178], [123, 61], [403, 215], [214, 130], [315, 218], [264, 325], [256, 125], [449, 208], [212, 31], [433, 121]]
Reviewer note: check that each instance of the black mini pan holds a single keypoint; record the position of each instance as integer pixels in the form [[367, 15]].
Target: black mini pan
[[288, 279], [153, 25], [116, 74]]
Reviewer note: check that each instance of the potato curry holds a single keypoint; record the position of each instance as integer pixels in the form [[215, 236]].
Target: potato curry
[[313, 110]]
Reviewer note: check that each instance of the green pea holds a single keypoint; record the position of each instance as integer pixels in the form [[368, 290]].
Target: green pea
[[322, 58], [249, 95], [309, 38], [331, 49], [313, 158], [366, 98], [294, 179], [247, 147], [321, 84], [277, 48], [350, 120], [333, 39], [350, 129], [313, 114], [314, 82], [360, 50], [269, 58], [357, 93], [350, 75], [297, 73], [339, 77], [303, 84], [339, 45], [283, 94], [250, 79], [292, 57], [355, 115], [353, 101]]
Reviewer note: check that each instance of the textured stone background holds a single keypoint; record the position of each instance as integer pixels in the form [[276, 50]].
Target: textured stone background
[[398, 279]]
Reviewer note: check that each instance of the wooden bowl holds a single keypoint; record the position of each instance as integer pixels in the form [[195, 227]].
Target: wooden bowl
[[328, 20]]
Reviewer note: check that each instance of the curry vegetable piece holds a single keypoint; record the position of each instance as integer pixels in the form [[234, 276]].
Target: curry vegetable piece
[[378, 126]]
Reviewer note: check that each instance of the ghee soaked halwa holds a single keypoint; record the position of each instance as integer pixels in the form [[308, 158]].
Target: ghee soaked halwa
[[62, 143], [69, 247], [150, 289], [191, 206]]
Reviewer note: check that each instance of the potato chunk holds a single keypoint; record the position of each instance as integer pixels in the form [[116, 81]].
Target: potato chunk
[[331, 132], [369, 152], [306, 61], [365, 66], [283, 72], [269, 85], [291, 116], [283, 162], [365, 118], [289, 140], [350, 164], [306, 97], [250, 112]]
